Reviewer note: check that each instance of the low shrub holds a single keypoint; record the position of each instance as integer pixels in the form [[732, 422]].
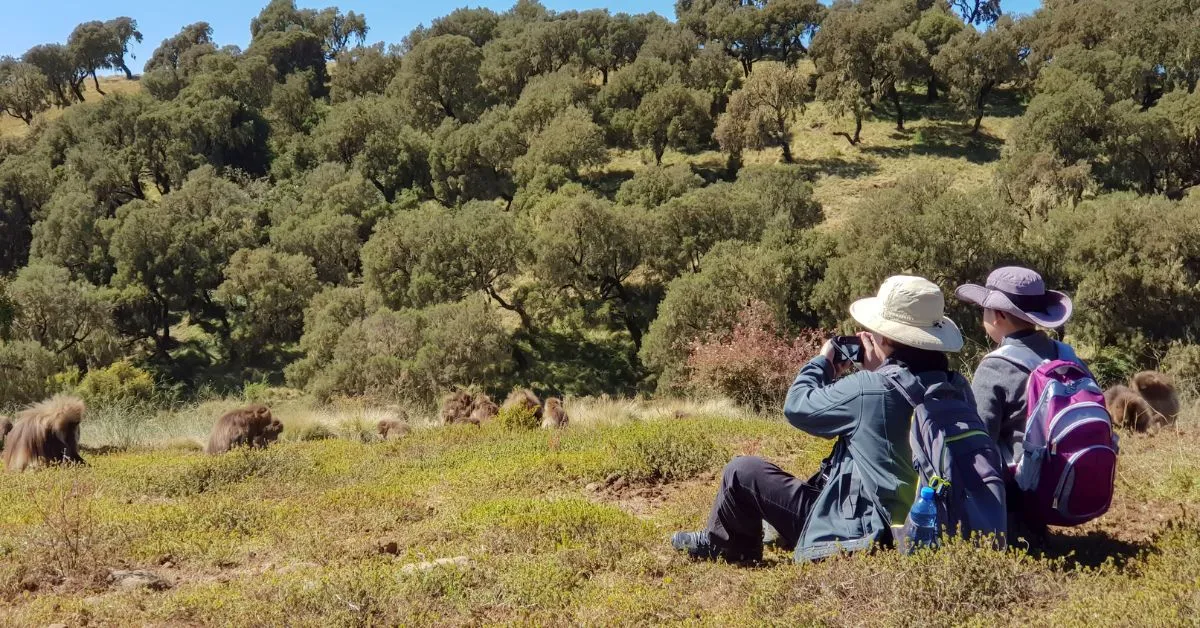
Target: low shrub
[[754, 364], [1182, 362], [667, 453], [518, 418]]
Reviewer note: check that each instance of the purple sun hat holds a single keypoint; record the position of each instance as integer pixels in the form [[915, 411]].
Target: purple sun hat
[[1022, 293]]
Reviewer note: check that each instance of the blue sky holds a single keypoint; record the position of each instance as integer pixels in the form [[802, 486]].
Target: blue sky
[[31, 22]]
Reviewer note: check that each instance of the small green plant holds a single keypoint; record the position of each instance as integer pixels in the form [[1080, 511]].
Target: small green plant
[[518, 418], [1182, 362]]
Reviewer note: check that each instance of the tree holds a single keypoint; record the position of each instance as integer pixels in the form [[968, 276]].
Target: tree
[[586, 246], [556, 153], [475, 161], [673, 116], [977, 11], [609, 42], [26, 184], [54, 310], [479, 25], [93, 46], [440, 79], [438, 255], [294, 51], [173, 50], [24, 90], [123, 29], [369, 135], [265, 293], [935, 27], [170, 254], [70, 233], [337, 29], [654, 185], [761, 113], [60, 68], [973, 64], [360, 72]]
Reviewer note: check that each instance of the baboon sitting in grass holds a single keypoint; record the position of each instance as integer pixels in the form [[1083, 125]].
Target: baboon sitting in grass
[[554, 415], [524, 398], [457, 407], [392, 428], [483, 409], [46, 433], [1159, 391], [251, 426]]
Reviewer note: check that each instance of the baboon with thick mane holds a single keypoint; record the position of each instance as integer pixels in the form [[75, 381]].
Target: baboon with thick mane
[[1159, 391], [45, 433], [554, 414], [250, 426], [1128, 410], [524, 398], [483, 409], [456, 408]]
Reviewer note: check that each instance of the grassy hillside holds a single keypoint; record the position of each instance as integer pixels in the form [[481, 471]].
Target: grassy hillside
[[546, 528], [12, 127]]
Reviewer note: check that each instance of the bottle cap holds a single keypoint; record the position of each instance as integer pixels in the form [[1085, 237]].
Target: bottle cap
[[927, 493]]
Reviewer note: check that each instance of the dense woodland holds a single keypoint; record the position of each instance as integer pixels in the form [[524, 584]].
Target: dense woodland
[[399, 220]]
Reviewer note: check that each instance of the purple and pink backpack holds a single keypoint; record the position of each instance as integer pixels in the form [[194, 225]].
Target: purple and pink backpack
[[1068, 465]]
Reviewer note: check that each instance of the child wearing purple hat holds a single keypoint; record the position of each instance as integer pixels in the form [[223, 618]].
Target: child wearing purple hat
[[1015, 305]]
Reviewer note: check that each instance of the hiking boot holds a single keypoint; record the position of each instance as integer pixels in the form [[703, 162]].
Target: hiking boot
[[697, 545]]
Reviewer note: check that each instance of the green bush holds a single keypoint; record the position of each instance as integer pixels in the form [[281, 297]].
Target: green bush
[[518, 418], [122, 381], [1182, 362], [666, 452]]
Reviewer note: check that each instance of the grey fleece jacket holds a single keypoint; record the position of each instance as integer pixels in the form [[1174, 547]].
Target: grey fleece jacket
[[999, 388]]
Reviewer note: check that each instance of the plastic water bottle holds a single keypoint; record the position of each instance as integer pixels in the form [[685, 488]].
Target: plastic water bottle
[[921, 527]]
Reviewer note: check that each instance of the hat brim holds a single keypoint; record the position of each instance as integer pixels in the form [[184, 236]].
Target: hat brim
[[1056, 314], [943, 336]]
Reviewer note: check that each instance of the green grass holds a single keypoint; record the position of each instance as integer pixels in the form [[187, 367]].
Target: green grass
[[318, 533]]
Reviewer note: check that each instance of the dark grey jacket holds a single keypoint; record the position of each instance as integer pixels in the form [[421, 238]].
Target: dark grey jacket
[[999, 388], [872, 476]]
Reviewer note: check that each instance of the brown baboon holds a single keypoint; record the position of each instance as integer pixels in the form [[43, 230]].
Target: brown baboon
[[250, 426], [5, 427], [1128, 410], [46, 433], [483, 409], [456, 408], [1159, 391], [392, 428], [554, 414], [524, 398]]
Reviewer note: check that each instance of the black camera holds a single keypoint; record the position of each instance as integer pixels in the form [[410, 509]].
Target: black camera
[[847, 349]]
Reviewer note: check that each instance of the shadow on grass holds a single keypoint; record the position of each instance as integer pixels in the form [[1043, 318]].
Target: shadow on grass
[[838, 167], [607, 182], [1091, 550], [943, 139]]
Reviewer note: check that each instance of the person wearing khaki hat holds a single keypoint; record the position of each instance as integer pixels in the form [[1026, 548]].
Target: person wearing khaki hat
[[1015, 304], [868, 480]]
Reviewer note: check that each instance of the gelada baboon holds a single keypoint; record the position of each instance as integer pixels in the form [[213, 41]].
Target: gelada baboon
[[46, 433], [456, 408], [5, 428], [524, 398], [1128, 410], [483, 409], [253, 426], [392, 428], [554, 414], [1159, 391]]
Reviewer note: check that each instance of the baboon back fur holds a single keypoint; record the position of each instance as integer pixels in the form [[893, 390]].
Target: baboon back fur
[[250, 426], [45, 433]]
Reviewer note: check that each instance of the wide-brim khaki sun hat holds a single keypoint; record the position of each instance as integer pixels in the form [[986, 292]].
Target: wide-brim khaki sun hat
[[911, 311]]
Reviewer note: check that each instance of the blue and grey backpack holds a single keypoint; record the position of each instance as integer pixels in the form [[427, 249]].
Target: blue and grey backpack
[[954, 455]]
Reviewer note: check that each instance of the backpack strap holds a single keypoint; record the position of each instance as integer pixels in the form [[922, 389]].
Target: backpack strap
[[1021, 357], [905, 383]]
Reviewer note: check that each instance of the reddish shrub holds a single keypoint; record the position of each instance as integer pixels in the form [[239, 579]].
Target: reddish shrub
[[754, 363]]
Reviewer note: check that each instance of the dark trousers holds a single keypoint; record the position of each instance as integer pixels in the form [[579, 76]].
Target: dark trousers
[[753, 490]]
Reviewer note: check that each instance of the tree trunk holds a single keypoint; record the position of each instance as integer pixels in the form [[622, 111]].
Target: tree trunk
[[747, 66], [659, 148], [96, 81], [75, 89], [603, 76], [978, 122], [857, 129], [128, 74], [931, 88], [895, 94], [787, 151]]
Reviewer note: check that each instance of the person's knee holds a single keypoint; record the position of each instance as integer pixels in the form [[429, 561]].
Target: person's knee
[[744, 467]]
